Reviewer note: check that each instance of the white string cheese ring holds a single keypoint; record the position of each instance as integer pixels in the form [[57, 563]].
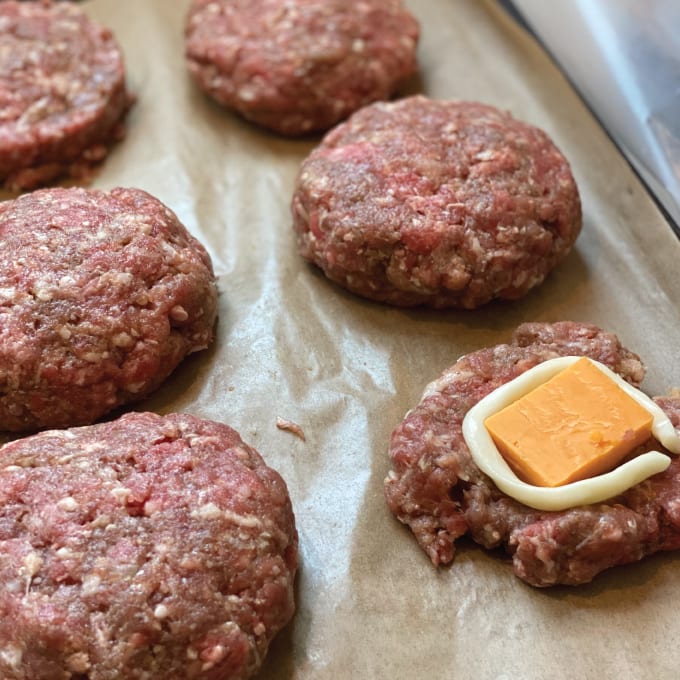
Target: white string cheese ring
[[593, 490]]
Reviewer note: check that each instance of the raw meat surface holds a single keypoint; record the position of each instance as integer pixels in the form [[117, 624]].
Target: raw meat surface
[[438, 203], [301, 65], [102, 294], [62, 93], [147, 547], [438, 491]]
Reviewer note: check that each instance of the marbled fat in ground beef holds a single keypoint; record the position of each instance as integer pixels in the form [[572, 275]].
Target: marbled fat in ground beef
[[144, 548], [102, 294], [62, 93], [439, 203], [300, 65], [437, 490]]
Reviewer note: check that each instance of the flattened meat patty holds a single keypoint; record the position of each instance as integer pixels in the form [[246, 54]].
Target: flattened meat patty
[[148, 547], [438, 491], [439, 203], [102, 294], [296, 66], [62, 92]]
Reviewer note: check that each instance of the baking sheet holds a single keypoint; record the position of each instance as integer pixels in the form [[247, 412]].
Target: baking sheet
[[291, 344]]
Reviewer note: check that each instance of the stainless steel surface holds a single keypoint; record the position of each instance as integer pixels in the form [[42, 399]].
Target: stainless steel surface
[[624, 58]]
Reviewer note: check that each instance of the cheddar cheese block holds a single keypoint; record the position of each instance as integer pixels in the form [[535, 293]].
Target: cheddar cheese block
[[576, 425]]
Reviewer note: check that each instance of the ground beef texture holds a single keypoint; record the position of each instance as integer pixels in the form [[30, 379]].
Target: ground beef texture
[[436, 489], [62, 93], [438, 203], [102, 294], [143, 548], [301, 65]]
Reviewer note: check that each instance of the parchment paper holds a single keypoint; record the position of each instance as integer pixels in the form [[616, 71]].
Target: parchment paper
[[291, 344]]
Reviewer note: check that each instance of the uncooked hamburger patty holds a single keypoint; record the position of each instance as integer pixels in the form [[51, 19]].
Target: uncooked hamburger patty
[[62, 92], [296, 66], [148, 547], [438, 491], [102, 294], [439, 203]]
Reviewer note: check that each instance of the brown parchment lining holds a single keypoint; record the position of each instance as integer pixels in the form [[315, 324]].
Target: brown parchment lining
[[291, 344]]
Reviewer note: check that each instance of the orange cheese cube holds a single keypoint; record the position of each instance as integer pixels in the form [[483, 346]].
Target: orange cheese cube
[[578, 424]]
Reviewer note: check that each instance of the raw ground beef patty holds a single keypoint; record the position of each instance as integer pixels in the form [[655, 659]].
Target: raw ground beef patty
[[299, 65], [102, 294], [439, 203], [437, 490], [148, 547], [62, 92]]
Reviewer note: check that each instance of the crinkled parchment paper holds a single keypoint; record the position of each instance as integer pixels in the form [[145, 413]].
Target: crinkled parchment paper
[[293, 345]]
